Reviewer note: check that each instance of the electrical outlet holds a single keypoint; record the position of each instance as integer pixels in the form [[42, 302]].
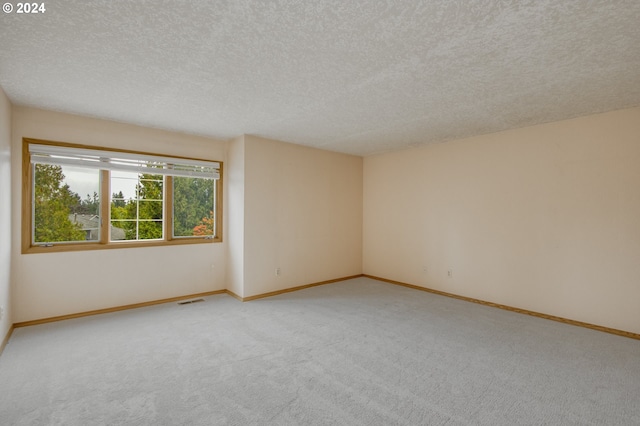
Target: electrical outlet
[[278, 272], [1, 312], [450, 273]]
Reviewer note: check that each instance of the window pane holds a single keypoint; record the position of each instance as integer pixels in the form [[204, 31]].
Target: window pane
[[150, 230], [150, 209], [193, 207], [66, 204], [136, 206]]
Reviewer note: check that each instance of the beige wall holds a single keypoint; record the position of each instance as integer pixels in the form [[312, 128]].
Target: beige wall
[[5, 215], [286, 206], [234, 200], [303, 214], [47, 285], [545, 218]]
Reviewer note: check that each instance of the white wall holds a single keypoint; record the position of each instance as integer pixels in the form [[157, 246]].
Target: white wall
[[302, 213], [52, 284], [5, 215], [545, 218]]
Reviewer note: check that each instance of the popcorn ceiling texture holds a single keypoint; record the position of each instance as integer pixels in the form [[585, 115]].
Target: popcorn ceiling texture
[[360, 77]]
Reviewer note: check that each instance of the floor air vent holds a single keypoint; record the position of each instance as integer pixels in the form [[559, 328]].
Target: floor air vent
[[187, 302]]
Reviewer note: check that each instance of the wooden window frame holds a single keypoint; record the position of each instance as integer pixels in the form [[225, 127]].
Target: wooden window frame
[[103, 243]]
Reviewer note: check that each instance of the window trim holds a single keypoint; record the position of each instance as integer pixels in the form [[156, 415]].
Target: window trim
[[104, 243]]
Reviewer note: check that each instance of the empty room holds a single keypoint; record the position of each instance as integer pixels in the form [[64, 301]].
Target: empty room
[[310, 213]]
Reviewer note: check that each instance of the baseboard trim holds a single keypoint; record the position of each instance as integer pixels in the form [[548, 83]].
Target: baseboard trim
[[512, 309], [623, 333], [174, 299], [115, 309], [232, 294], [6, 339], [290, 289]]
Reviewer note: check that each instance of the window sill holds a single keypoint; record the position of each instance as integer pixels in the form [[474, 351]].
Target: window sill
[[70, 247]]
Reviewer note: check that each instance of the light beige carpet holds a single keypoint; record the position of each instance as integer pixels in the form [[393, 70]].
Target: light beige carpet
[[359, 352]]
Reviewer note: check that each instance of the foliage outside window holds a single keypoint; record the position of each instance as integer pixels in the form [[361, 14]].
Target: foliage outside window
[[60, 214], [193, 207], [141, 215], [147, 199]]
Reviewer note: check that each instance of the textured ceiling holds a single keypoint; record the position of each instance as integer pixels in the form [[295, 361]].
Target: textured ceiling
[[356, 76]]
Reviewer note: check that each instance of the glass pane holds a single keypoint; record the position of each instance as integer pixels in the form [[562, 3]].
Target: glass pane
[[124, 206], [150, 209], [150, 187], [136, 206], [193, 207], [150, 230], [66, 204]]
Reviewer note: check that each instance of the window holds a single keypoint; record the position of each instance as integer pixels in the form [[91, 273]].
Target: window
[[81, 198], [139, 216], [194, 204], [59, 212]]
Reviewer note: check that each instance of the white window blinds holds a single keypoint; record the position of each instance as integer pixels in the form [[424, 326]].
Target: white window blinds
[[123, 161]]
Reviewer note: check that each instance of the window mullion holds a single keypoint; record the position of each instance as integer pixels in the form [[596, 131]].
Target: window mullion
[[138, 189], [105, 206], [168, 208]]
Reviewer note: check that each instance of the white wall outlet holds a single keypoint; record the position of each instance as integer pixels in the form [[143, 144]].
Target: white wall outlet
[[450, 273], [1, 312], [278, 271]]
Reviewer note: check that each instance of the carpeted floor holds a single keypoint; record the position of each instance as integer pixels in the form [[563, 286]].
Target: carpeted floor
[[359, 352]]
